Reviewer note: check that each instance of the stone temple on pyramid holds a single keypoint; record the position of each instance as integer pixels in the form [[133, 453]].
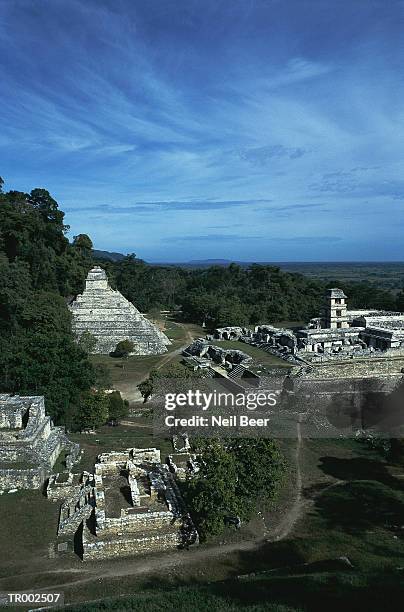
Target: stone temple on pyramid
[[110, 318]]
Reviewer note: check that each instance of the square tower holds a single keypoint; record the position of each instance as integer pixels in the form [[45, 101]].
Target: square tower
[[96, 279], [335, 309]]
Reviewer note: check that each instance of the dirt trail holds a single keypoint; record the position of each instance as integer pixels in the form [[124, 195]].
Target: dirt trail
[[167, 358], [295, 511], [129, 388]]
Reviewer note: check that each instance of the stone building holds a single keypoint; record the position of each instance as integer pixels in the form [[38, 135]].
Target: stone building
[[204, 350], [351, 332], [29, 443], [130, 505], [335, 309], [111, 318], [338, 334], [230, 333]]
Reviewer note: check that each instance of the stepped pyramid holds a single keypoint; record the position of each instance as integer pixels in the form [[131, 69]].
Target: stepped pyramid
[[110, 318]]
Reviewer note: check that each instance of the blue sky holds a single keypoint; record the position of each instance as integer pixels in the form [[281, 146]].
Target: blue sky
[[257, 130]]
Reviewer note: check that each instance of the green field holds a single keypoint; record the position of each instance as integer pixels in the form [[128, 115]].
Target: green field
[[137, 433], [312, 589]]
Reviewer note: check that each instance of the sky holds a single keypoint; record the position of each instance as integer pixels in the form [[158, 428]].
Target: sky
[[250, 130]]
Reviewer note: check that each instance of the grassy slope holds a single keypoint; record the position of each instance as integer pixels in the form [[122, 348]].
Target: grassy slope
[[139, 434], [135, 369], [307, 591]]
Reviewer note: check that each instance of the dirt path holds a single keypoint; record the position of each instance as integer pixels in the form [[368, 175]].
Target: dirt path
[[129, 388], [167, 358], [295, 512]]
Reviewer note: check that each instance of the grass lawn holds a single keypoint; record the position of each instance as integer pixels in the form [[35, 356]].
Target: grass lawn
[[126, 374], [139, 434], [306, 591], [28, 526], [60, 463], [290, 324], [256, 353]]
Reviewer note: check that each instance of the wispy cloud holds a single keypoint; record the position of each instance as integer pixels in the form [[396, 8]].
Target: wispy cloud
[[221, 237], [262, 155], [169, 206], [145, 119]]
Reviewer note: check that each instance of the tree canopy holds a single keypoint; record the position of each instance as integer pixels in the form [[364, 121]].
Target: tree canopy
[[38, 269], [235, 476]]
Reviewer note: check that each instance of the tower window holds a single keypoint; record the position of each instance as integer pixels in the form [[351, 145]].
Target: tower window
[[338, 313]]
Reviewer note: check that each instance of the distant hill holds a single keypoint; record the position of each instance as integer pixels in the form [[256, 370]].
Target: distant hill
[[107, 255], [203, 263], [211, 262]]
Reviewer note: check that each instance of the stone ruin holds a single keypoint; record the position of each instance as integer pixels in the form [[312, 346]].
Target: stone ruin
[[203, 352], [182, 462], [230, 333], [29, 443], [337, 335], [111, 318], [130, 505]]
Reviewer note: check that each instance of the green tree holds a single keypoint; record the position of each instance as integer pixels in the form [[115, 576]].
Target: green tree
[[87, 342], [118, 408], [83, 243], [260, 467], [212, 492], [123, 349], [102, 376], [234, 478], [40, 356], [93, 410]]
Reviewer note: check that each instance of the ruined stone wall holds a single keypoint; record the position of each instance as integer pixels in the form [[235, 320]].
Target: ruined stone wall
[[111, 463], [351, 368], [60, 488], [127, 546], [134, 523], [22, 479], [147, 455], [109, 468], [73, 456], [33, 448]]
